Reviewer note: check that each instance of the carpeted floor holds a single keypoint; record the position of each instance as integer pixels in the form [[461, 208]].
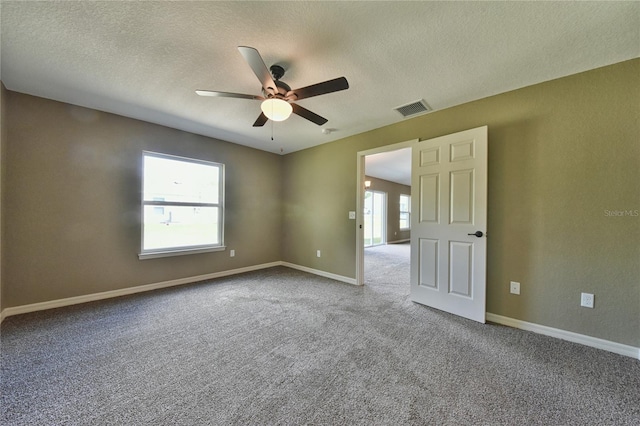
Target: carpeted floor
[[388, 268], [280, 346]]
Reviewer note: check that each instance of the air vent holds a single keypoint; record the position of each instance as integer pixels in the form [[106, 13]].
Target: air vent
[[414, 108]]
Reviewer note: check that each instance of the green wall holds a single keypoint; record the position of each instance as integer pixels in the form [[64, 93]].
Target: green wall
[[71, 204], [561, 154]]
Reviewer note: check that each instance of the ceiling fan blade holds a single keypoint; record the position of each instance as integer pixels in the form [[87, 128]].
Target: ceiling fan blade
[[261, 120], [253, 58], [228, 95], [311, 116], [329, 86]]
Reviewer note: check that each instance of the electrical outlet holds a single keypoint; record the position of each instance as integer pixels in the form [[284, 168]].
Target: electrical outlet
[[318, 253], [514, 287], [352, 215], [586, 300], [232, 253]]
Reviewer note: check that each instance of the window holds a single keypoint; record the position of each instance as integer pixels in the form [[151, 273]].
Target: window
[[405, 212], [182, 206], [375, 218]]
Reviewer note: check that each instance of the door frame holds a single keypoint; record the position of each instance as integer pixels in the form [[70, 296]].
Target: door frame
[[360, 200]]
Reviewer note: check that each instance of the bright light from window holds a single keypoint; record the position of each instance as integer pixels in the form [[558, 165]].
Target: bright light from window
[[405, 212], [182, 205]]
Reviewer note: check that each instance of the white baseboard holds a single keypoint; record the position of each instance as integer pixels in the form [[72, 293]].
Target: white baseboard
[[594, 342], [320, 273], [59, 303], [126, 291], [399, 241]]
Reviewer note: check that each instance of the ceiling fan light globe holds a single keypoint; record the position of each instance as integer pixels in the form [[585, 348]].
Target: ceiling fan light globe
[[276, 109]]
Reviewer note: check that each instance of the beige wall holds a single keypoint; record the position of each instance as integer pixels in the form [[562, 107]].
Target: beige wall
[[560, 154], [72, 202], [393, 191]]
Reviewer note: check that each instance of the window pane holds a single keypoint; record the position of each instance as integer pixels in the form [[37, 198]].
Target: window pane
[[368, 218], [166, 179], [179, 226], [404, 203], [404, 220], [405, 211], [378, 217]]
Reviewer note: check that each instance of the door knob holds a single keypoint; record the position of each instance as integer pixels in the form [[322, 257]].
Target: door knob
[[477, 234]]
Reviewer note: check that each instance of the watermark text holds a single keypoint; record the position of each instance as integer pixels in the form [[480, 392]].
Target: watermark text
[[622, 213]]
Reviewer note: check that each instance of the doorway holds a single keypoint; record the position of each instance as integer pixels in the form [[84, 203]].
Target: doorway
[[448, 223], [391, 229]]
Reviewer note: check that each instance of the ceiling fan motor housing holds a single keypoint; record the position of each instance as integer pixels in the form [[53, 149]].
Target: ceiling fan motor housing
[[276, 71], [282, 90]]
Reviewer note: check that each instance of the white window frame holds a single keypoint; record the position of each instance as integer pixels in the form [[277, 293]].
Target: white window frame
[[408, 212], [182, 250]]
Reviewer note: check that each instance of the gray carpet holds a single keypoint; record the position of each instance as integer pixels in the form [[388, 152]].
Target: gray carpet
[[280, 346], [387, 268]]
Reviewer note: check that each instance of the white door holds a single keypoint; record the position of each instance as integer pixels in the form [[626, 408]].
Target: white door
[[448, 260]]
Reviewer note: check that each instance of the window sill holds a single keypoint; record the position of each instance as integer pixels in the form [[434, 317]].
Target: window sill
[[178, 252]]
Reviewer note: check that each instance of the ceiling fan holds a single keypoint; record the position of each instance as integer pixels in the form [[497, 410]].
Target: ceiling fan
[[277, 97]]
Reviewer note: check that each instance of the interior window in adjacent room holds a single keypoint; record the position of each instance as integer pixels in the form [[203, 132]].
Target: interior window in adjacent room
[[182, 205], [405, 212]]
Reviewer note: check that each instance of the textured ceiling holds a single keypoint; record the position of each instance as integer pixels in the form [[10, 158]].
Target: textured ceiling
[[394, 166], [145, 59]]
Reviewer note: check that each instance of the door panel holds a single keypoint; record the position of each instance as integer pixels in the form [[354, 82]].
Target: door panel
[[430, 157], [429, 198], [448, 265], [429, 258], [461, 151], [460, 268], [461, 196]]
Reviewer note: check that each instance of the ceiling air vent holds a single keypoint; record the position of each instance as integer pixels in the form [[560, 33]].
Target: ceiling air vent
[[414, 108]]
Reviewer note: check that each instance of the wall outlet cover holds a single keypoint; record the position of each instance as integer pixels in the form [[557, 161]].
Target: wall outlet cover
[[514, 287], [586, 300]]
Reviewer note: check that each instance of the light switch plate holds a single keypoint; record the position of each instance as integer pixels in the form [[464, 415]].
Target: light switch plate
[[352, 215], [514, 287]]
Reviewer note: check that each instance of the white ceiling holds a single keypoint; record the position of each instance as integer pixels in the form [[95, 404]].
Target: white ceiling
[[394, 166], [145, 59]]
